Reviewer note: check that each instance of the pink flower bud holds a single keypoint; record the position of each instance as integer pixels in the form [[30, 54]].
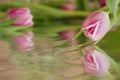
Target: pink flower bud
[[67, 35], [24, 43], [94, 61], [67, 7], [102, 3], [96, 25], [23, 15]]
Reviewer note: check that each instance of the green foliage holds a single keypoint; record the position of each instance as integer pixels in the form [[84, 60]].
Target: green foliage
[[43, 62], [112, 5], [110, 43], [8, 31]]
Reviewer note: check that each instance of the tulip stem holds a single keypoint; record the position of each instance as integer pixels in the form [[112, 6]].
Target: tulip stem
[[97, 41], [77, 35], [45, 10]]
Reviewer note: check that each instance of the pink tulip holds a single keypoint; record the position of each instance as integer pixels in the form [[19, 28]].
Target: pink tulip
[[102, 3], [96, 25], [67, 7], [23, 15], [94, 61], [67, 35], [23, 18], [24, 42]]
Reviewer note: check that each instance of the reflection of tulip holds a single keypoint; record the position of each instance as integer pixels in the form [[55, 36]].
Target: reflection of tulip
[[67, 7], [96, 25], [24, 42], [65, 35], [68, 34], [94, 61], [24, 18], [102, 3]]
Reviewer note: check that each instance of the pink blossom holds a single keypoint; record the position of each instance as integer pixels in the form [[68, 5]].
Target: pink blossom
[[67, 7], [94, 61], [24, 42], [102, 3], [23, 15], [68, 35], [96, 25], [23, 18]]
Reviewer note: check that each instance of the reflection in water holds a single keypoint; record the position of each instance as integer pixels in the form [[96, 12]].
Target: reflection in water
[[50, 58], [44, 60], [57, 63]]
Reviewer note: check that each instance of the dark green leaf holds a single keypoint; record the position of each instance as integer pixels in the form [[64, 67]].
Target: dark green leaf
[[110, 44]]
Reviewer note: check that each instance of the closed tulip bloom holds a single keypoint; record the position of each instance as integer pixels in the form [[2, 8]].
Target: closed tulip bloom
[[23, 15], [96, 25], [102, 3], [94, 61], [24, 42], [69, 7], [68, 35]]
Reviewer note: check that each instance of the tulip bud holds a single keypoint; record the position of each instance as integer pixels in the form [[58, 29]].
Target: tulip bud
[[23, 15], [96, 25], [24, 42], [67, 7], [69, 34], [102, 3], [94, 61]]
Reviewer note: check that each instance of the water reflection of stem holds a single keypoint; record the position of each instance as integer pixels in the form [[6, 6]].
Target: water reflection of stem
[[109, 76], [75, 48], [113, 63]]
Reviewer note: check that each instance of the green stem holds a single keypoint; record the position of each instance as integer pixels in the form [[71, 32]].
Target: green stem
[[39, 8], [115, 21], [86, 3], [61, 13], [78, 34], [96, 4]]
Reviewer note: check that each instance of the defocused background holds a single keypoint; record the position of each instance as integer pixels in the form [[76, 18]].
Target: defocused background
[[54, 56]]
